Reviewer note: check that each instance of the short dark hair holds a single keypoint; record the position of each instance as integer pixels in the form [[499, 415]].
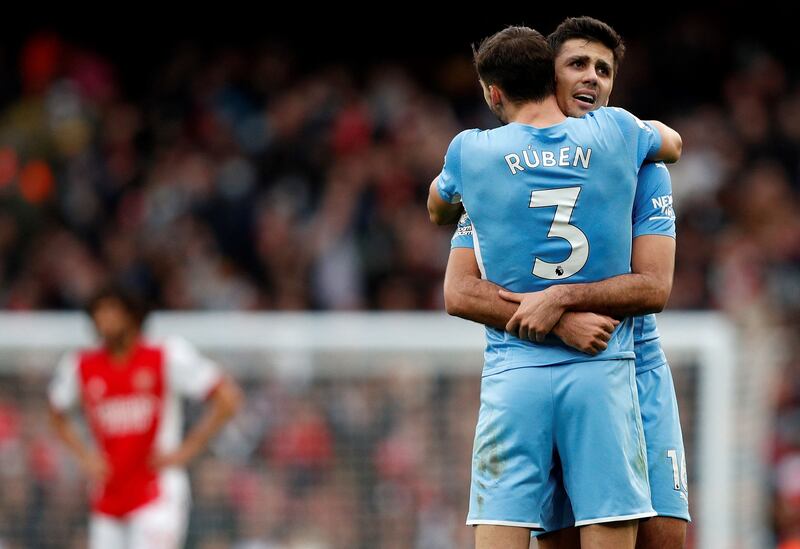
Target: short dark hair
[[519, 61], [588, 28], [133, 303]]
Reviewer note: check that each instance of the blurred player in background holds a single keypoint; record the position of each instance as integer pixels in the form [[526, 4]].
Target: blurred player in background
[[130, 391], [587, 56]]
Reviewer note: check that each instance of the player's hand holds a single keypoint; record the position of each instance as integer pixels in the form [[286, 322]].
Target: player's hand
[[95, 467], [538, 312], [586, 332], [177, 458]]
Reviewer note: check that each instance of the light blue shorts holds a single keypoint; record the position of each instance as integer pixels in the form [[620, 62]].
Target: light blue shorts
[[666, 459], [662, 432], [576, 426]]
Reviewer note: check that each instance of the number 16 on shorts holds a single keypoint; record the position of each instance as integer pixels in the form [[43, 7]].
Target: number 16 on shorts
[[679, 476]]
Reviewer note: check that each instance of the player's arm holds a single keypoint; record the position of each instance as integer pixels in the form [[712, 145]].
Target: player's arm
[[222, 404], [651, 140], [63, 395], [90, 461], [446, 189], [643, 291], [671, 143], [440, 211], [468, 296]]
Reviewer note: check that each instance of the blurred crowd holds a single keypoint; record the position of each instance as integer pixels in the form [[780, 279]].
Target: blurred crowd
[[237, 182], [235, 179]]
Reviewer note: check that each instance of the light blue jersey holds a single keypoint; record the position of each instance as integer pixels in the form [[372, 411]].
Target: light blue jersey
[[541, 203], [653, 214]]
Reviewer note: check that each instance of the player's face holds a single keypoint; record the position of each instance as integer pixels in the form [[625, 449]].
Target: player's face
[[112, 321], [584, 76]]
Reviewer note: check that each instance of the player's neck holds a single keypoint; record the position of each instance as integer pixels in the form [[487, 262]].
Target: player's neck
[[120, 350], [538, 114]]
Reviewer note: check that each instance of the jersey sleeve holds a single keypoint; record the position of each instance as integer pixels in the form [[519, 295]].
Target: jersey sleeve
[[190, 374], [462, 238], [641, 137], [652, 206], [449, 182], [64, 389]]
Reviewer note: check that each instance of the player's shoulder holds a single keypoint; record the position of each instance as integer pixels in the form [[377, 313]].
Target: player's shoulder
[[502, 136], [465, 134], [612, 112], [655, 168], [170, 344], [654, 171], [457, 144], [606, 114], [510, 129], [466, 137], [83, 361], [622, 118], [70, 360], [624, 122], [616, 115], [85, 354]]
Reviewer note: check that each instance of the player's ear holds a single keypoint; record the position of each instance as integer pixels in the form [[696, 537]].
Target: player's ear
[[496, 95]]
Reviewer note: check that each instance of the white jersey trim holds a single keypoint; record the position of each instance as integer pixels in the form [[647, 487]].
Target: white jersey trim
[[64, 392], [475, 522], [477, 246], [189, 373], [620, 518]]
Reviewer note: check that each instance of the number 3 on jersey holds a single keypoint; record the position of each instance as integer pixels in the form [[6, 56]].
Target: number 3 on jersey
[[564, 200]]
